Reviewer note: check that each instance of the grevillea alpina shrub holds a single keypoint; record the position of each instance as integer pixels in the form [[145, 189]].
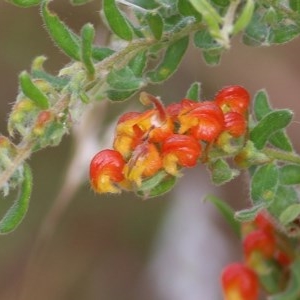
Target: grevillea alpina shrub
[[230, 133]]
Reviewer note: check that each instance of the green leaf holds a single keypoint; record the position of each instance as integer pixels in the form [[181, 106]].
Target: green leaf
[[221, 172], [268, 125], [25, 3], [283, 34], [101, 53], [292, 290], [257, 31], [156, 24], [157, 185], [138, 63], [80, 2], [116, 20], [249, 214], [290, 214], [64, 37], [204, 40], [285, 196], [289, 174], [244, 18], [264, 184], [186, 9], [170, 61], [209, 14], [261, 108], [18, 210], [87, 35], [193, 92], [226, 211], [222, 3], [31, 91], [295, 5], [212, 51], [117, 95], [124, 80], [212, 57]]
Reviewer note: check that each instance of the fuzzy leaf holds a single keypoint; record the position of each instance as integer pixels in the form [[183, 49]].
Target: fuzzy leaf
[[31, 91], [284, 197], [290, 214], [156, 24], [18, 210], [193, 92], [170, 61], [226, 211], [249, 214], [268, 125], [157, 185], [61, 34], [101, 53], [187, 9], [87, 34], [221, 172], [138, 63], [116, 20], [264, 184], [117, 95], [124, 80], [25, 3], [290, 174], [261, 108]]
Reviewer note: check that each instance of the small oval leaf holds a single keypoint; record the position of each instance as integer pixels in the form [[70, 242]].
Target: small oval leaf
[[193, 92], [116, 20], [87, 34], [264, 183], [32, 91], [221, 172], [61, 34], [156, 24], [290, 174], [25, 3], [170, 61], [268, 125], [290, 214], [17, 211]]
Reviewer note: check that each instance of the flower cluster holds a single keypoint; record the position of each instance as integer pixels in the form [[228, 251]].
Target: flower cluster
[[166, 139], [267, 254]]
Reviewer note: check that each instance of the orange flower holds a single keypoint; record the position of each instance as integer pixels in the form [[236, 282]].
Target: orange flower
[[182, 150], [235, 124], [145, 162], [239, 283], [205, 121], [233, 98], [106, 169]]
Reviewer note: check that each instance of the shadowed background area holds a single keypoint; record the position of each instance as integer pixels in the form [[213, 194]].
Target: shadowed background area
[[120, 247]]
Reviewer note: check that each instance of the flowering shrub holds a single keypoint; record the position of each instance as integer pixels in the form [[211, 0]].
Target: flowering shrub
[[233, 132]]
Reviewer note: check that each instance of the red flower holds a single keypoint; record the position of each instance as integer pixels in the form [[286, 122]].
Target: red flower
[[235, 124], [259, 242], [106, 169], [182, 150], [233, 98], [205, 121], [145, 162], [239, 283]]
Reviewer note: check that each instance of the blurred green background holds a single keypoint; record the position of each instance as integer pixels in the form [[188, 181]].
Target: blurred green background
[[121, 247]]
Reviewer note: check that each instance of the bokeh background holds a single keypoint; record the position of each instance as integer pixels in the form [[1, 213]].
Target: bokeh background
[[121, 247]]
